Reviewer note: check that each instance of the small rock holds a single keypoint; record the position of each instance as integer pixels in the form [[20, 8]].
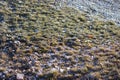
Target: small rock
[[20, 76], [54, 70], [68, 68], [62, 70]]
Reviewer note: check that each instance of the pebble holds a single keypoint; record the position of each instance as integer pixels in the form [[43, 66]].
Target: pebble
[[54, 70], [20, 76], [61, 70]]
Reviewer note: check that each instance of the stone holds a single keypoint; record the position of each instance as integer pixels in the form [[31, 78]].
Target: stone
[[20, 76]]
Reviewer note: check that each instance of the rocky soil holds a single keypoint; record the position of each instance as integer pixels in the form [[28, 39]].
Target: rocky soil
[[107, 9], [40, 42]]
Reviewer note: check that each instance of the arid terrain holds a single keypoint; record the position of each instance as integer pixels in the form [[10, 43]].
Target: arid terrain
[[105, 9], [40, 40]]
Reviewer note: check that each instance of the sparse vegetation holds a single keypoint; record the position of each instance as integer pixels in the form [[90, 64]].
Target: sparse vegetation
[[35, 38]]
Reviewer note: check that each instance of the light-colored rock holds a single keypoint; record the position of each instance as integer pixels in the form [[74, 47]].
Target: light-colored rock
[[20, 76]]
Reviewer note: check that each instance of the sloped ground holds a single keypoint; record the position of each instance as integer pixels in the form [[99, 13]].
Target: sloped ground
[[107, 9], [40, 42]]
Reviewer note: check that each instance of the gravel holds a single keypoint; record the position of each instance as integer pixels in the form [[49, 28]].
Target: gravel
[[106, 9]]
